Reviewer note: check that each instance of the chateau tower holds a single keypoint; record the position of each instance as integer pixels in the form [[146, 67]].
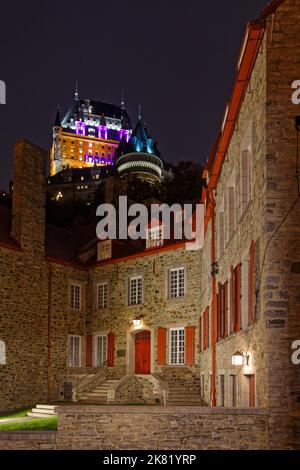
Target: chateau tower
[[88, 134], [139, 156]]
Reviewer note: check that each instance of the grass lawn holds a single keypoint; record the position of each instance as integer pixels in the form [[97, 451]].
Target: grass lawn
[[16, 414], [42, 424]]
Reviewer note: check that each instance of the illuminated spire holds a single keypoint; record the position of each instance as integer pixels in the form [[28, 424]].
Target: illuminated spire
[[76, 97], [57, 119], [140, 113]]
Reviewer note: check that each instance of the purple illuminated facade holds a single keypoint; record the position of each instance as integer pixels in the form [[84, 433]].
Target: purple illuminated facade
[[88, 135]]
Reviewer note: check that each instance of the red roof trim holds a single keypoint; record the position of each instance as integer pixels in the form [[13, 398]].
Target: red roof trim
[[148, 252], [10, 246], [249, 51], [270, 8]]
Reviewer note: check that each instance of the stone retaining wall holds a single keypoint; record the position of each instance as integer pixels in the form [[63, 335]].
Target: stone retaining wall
[[27, 440], [153, 427]]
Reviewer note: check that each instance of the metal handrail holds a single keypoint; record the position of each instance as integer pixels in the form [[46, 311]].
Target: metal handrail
[[85, 379], [92, 372]]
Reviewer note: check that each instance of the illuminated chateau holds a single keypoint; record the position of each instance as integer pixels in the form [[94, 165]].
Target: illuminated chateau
[[88, 135], [93, 141], [211, 333]]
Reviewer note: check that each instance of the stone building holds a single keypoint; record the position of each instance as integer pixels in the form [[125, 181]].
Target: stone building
[[250, 285], [113, 321]]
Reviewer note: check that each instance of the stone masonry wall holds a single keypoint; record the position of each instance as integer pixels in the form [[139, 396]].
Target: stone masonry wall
[[161, 428], [250, 225], [281, 286], [24, 287], [156, 311], [28, 440]]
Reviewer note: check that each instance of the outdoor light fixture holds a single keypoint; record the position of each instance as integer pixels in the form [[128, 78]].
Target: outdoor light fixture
[[239, 359], [137, 322]]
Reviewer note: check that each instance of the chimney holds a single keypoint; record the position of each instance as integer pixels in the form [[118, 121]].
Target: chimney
[[29, 193]]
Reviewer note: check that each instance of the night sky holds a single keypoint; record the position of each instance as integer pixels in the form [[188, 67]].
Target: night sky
[[176, 58]]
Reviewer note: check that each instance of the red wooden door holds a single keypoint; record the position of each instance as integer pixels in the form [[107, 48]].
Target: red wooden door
[[142, 352]]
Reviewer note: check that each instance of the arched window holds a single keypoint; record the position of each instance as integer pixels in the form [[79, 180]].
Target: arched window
[[2, 353]]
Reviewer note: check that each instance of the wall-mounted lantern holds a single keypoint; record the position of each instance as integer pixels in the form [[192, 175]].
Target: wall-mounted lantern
[[239, 359], [137, 322]]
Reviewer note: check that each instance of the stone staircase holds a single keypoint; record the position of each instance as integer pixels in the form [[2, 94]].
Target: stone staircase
[[180, 396], [43, 411], [98, 396]]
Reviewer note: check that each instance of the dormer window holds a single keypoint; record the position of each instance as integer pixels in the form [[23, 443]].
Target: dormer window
[[104, 250], [155, 236]]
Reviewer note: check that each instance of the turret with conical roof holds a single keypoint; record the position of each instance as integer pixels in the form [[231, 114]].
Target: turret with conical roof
[[139, 156]]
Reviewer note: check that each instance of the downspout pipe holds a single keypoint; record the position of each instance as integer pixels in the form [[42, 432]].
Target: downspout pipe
[[213, 400]]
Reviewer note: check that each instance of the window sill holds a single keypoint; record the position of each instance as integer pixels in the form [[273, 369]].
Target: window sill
[[178, 366], [176, 299]]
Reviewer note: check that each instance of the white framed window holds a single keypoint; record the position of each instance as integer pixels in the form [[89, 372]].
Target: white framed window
[[233, 390], [231, 211], [177, 288], [75, 296], [100, 349], [154, 236], [74, 351], [176, 341], [135, 294], [2, 353], [246, 177], [202, 391], [102, 295], [245, 292], [222, 389], [221, 233]]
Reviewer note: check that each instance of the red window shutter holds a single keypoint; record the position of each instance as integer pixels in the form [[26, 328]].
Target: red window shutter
[[204, 329], [189, 345], [238, 298], [207, 327], [226, 309], [251, 285], [89, 350], [232, 302], [110, 349], [161, 346], [200, 335]]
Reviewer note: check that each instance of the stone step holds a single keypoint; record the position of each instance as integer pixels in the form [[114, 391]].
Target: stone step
[[184, 400], [177, 403], [183, 396], [40, 415], [96, 394], [93, 401], [39, 411], [46, 407]]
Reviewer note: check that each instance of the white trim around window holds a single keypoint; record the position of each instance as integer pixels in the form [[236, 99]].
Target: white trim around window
[[100, 349], [102, 295], [75, 293], [74, 351], [177, 283], [154, 236], [135, 290], [176, 346]]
